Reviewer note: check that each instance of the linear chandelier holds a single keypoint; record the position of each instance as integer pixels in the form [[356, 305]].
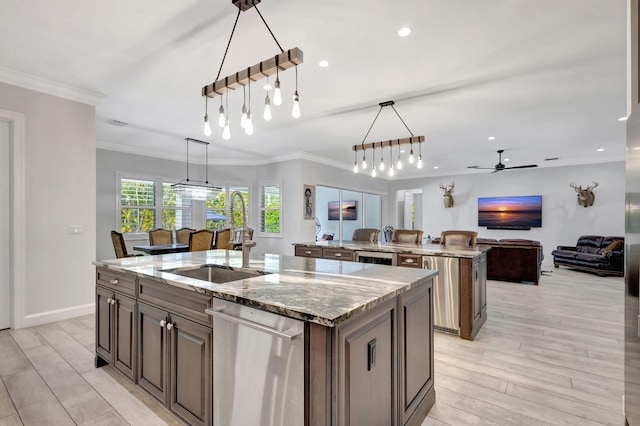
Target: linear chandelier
[[196, 189], [390, 143], [244, 78]]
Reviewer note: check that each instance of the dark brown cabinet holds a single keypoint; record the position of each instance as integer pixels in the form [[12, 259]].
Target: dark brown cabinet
[[175, 363], [115, 329]]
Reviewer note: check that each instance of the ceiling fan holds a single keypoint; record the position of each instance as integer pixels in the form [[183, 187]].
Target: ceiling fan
[[500, 166]]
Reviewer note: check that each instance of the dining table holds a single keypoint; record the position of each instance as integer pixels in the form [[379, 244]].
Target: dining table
[[163, 248]]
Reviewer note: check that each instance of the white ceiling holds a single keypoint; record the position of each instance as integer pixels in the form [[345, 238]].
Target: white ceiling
[[547, 78]]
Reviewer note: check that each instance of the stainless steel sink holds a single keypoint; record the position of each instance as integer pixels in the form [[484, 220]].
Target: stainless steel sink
[[215, 273]]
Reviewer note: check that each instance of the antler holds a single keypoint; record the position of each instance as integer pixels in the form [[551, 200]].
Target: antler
[[448, 188], [577, 188], [595, 183]]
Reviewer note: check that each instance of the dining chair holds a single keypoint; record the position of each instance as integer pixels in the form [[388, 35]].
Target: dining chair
[[459, 238], [222, 240], [182, 235], [411, 236], [201, 240], [369, 235], [119, 246], [160, 236]]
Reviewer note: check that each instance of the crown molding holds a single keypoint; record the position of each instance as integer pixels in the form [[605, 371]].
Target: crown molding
[[50, 87]]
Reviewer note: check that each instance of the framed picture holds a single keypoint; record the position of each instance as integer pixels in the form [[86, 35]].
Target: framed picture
[[309, 202]]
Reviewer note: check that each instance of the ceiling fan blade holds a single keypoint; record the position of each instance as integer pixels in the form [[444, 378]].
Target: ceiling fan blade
[[528, 166], [480, 168]]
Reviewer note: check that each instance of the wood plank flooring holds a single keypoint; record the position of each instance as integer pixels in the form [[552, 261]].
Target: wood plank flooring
[[548, 355]]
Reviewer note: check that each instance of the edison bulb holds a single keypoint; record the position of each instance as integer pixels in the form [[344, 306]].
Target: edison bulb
[[364, 163], [277, 95], [226, 132], [411, 159], [391, 172], [248, 129], [207, 126], [399, 166], [382, 165], [355, 167], [373, 172], [295, 112], [267, 108], [243, 118], [221, 117], [420, 161]]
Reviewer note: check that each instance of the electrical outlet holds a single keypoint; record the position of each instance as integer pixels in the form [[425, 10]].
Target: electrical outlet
[[75, 229]]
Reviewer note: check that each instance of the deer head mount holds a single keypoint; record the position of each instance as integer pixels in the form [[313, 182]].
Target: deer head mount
[[448, 198], [586, 197]]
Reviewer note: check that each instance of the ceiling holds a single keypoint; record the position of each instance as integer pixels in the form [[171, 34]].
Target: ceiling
[[546, 78]]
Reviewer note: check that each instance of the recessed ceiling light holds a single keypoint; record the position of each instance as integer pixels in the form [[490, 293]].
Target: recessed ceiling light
[[402, 150], [491, 138], [506, 159], [622, 118], [323, 63], [435, 167], [600, 149], [404, 31]]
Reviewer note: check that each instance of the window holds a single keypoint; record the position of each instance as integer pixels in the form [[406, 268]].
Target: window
[[141, 212], [270, 209], [219, 209]]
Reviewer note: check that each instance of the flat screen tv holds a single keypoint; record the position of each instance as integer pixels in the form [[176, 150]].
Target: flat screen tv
[[348, 210], [510, 212]]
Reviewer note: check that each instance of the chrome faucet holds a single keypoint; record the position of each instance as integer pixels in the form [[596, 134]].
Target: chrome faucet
[[244, 239]]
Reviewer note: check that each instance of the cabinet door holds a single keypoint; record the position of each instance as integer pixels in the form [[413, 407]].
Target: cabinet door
[[152, 351], [366, 388], [191, 373], [477, 291], [124, 326], [104, 324], [415, 344]]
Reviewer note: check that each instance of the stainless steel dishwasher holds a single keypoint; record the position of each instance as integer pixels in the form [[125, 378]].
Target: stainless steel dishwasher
[[446, 292], [258, 367]]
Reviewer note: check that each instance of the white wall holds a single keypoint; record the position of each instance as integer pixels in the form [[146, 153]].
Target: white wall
[[60, 182], [563, 220]]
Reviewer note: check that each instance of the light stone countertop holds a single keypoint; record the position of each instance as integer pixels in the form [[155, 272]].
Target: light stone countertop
[[425, 250], [326, 292]]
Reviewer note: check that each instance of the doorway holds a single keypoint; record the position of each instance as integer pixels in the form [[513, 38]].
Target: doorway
[[5, 200]]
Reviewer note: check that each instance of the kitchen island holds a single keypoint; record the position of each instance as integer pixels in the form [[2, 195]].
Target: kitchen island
[[460, 293], [288, 340]]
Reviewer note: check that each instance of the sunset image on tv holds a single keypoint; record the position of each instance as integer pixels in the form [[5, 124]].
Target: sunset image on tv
[[510, 211]]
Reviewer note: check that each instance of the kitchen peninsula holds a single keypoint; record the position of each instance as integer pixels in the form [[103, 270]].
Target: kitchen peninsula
[[459, 291], [288, 340]]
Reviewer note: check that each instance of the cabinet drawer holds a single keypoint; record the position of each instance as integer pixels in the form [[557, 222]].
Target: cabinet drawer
[[117, 281], [338, 254], [410, 260], [309, 251], [183, 302]]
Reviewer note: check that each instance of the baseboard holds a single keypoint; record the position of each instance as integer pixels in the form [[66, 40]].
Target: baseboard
[[57, 315]]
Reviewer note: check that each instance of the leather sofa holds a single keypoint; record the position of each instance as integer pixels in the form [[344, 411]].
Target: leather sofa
[[514, 260], [593, 253]]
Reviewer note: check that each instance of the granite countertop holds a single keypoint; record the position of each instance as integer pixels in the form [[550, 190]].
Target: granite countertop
[[326, 292], [427, 250]]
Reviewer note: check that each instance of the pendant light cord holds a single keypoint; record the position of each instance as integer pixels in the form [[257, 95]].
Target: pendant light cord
[[228, 44], [267, 25], [371, 127], [405, 124]]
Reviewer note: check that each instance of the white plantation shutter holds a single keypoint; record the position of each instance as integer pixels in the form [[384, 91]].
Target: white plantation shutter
[[137, 205], [270, 209]]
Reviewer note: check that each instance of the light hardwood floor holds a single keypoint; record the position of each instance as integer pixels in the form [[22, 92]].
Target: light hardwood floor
[[550, 354]]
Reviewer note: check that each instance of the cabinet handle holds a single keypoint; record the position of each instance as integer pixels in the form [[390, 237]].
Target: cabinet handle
[[338, 254], [109, 301], [169, 326], [114, 281], [162, 323], [408, 261], [113, 301], [307, 252]]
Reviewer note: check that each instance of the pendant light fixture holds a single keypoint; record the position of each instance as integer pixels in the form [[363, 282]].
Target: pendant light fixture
[[355, 163], [195, 189], [207, 126], [419, 165], [373, 167], [280, 62], [362, 146]]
